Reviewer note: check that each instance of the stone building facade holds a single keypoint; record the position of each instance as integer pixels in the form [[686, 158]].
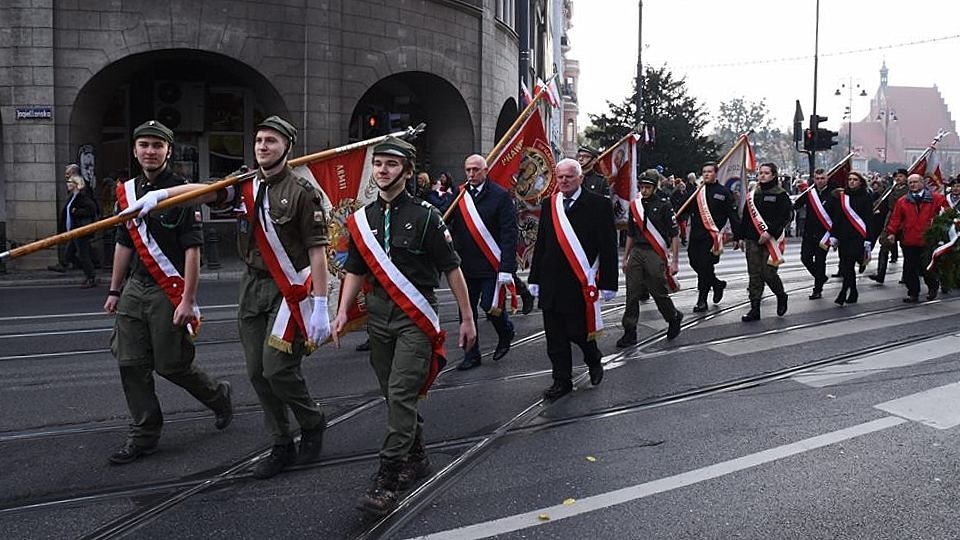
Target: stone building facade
[[77, 75]]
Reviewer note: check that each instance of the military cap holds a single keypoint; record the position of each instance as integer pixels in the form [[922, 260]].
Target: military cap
[[152, 128], [649, 176], [393, 146], [281, 126], [588, 150], [903, 172]]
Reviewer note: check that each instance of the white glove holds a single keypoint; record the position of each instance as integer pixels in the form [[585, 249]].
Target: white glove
[[608, 295], [867, 246], [148, 202], [533, 289], [833, 242], [318, 329], [504, 278]]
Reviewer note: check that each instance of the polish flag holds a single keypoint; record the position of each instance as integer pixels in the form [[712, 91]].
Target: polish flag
[[553, 94]]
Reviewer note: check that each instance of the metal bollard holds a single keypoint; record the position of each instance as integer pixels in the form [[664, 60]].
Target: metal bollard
[[213, 248], [3, 245]]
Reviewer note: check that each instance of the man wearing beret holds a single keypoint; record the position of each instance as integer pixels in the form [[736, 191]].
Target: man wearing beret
[[592, 180], [651, 252], [282, 238], [156, 309], [399, 245]]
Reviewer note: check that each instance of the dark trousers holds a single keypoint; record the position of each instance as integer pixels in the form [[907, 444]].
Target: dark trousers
[[646, 270], [851, 253], [703, 261], [913, 270], [814, 258], [481, 293], [79, 251], [561, 330]]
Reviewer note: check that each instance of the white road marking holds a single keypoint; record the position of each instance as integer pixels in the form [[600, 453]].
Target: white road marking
[[877, 363], [937, 408], [604, 500]]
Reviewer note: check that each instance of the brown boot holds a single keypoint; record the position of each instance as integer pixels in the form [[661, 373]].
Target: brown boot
[[385, 491], [417, 467]]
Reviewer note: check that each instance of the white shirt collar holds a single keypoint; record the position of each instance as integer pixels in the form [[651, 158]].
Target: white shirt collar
[[576, 194]]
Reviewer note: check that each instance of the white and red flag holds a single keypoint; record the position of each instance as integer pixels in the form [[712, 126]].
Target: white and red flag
[[552, 93], [619, 165], [928, 164], [733, 168]]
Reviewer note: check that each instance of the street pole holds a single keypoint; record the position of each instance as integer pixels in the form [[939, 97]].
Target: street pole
[[812, 156], [639, 117]]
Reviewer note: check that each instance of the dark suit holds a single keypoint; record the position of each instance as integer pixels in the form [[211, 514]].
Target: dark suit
[[561, 295], [499, 215]]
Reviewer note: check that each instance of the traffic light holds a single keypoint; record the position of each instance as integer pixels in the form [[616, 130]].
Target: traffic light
[[808, 142], [825, 139]]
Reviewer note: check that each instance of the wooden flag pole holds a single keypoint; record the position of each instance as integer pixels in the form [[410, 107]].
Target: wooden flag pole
[[498, 148], [185, 197], [607, 151], [693, 196]]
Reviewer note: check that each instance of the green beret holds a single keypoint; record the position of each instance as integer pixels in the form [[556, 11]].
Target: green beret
[[281, 126], [152, 128], [396, 147]]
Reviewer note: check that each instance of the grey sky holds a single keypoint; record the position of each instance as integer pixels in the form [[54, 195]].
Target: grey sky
[[764, 38]]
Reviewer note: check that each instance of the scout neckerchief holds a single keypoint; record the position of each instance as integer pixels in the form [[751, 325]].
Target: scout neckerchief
[[403, 293], [775, 245], [153, 258], [577, 259], [708, 223], [655, 239], [294, 285], [488, 246], [816, 205]]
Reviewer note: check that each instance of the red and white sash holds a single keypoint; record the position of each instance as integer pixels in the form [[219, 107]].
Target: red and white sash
[[816, 206], [852, 215], [488, 246], [774, 246], [294, 285], [708, 223], [586, 273], [946, 247], [401, 291], [655, 239], [153, 258]]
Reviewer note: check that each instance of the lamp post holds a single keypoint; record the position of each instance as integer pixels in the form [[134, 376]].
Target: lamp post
[[886, 114], [850, 86]]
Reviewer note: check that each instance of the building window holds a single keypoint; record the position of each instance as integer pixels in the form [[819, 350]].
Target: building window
[[507, 12], [571, 132]]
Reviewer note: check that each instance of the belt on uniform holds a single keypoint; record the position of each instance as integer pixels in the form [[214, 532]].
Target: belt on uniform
[[143, 279], [258, 273]]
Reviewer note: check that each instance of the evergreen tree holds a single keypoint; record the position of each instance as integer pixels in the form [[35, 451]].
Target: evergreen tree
[[676, 117]]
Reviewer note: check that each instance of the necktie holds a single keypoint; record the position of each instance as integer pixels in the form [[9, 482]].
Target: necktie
[[566, 203], [258, 213], [474, 192], [386, 230]]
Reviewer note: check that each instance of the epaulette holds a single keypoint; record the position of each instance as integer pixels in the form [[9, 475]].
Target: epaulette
[[305, 184]]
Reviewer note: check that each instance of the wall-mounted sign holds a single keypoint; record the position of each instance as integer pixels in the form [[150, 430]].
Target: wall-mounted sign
[[34, 113]]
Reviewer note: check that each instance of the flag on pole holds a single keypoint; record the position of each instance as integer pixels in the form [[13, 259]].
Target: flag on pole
[[346, 182], [525, 96], [838, 174], [525, 167], [733, 168], [552, 93], [928, 164], [619, 165]]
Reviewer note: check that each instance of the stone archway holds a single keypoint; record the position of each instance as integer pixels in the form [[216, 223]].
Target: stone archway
[[506, 118], [409, 98]]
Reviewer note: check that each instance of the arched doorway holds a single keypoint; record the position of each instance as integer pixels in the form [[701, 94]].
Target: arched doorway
[[412, 97], [210, 101], [506, 118]]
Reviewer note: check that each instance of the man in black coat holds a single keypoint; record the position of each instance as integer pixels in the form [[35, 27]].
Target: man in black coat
[[498, 217], [567, 315], [812, 253]]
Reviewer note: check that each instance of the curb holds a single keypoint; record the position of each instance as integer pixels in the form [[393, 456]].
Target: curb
[[12, 280]]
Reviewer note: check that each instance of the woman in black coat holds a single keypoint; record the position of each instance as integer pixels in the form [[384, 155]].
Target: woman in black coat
[[853, 235], [80, 210]]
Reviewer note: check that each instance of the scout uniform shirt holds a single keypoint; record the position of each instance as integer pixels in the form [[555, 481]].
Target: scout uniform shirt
[[774, 206], [419, 243], [174, 229], [722, 207], [659, 213]]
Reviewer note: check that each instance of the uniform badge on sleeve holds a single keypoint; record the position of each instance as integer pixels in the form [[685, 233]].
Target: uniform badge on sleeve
[[197, 216], [446, 236]]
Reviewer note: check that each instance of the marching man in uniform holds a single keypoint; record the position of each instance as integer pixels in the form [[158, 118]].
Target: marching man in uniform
[[650, 259], [157, 312], [399, 245], [816, 232]]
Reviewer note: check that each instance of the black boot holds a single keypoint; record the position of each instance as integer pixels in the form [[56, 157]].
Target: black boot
[[224, 411], [754, 313], [781, 304], [280, 457], [628, 339], [527, 300], [383, 495], [417, 466], [701, 301], [311, 444], [718, 288]]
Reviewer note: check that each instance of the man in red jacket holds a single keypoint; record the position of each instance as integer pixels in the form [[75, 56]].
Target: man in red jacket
[[912, 215]]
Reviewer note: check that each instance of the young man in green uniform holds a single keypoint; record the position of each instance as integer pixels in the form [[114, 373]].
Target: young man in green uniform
[[151, 332], [411, 235], [294, 210]]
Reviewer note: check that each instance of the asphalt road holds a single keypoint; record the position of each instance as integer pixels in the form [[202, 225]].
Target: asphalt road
[[829, 422]]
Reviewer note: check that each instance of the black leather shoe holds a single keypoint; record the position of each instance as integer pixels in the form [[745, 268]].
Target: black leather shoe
[[469, 363], [816, 295], [718, 291], [674, 329], [841, 298], [932, 294], [911, 300], [557, 391], [280, 457], [874, 277], [225, 413], [503, 347], [365, 346], [596, 374], [131, 452], [853, 296], [528, 301], [781, 304], [700, 308], [644, 297], [626, 340], [311, 444], [838, 274], [57, 268]]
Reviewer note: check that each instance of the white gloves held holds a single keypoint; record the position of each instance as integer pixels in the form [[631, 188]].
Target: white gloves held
[[504, 278], [534, 290], [318, 328], [608, 295], [148, 202]]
